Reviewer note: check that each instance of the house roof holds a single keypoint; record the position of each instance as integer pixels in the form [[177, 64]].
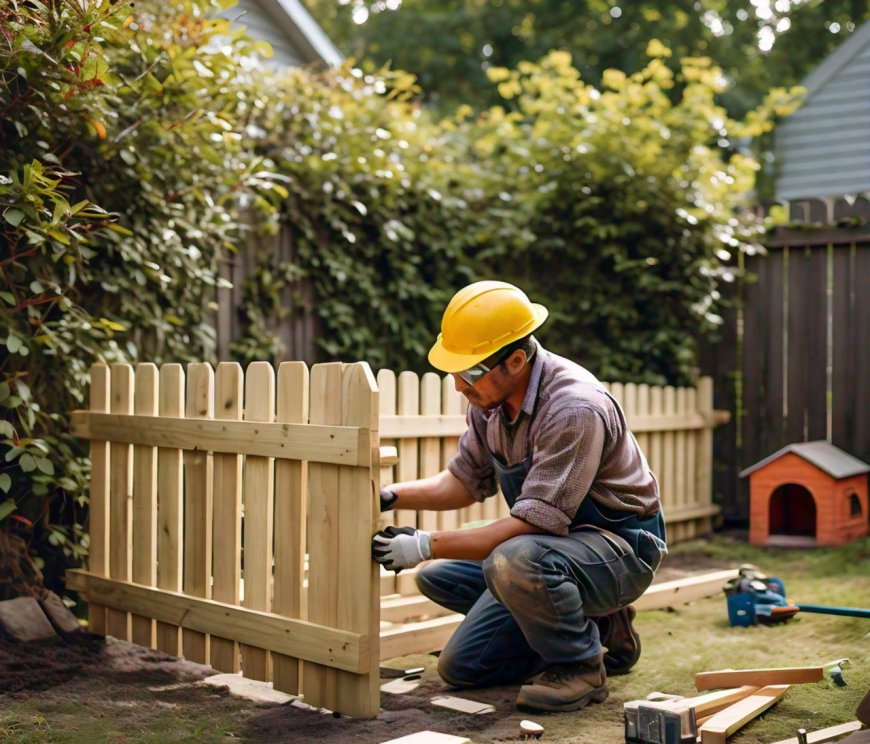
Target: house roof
[[824, 455], [306, 32], [857, 42]]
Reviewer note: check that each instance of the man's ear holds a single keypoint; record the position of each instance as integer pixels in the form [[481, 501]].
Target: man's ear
[[516, 361]]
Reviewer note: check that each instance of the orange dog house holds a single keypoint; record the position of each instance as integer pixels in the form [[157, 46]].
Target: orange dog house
[[808, 494]]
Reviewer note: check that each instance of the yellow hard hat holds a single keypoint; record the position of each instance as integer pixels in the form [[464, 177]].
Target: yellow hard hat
[[481, 319]]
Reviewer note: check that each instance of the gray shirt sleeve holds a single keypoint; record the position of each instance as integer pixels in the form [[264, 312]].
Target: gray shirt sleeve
[[566, 456], [472, 463]]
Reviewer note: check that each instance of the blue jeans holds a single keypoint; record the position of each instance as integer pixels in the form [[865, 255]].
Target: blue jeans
[[528, 604]]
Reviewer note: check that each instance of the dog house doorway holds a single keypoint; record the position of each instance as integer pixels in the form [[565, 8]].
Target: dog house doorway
[[792, 515]]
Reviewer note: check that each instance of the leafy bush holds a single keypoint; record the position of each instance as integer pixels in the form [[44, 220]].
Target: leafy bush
[[120, 169]]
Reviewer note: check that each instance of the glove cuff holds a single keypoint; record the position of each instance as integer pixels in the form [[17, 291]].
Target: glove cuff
[[424, 542]]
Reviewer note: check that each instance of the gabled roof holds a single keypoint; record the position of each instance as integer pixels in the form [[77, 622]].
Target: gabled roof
[[857, 42], [824, 455], [306, 32]]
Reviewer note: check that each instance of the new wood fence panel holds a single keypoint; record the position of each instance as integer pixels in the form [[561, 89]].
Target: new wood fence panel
[[358, 600], [227, 531], [170, 504], [98, 519], [320, 683], [655, 454], [198, 508], [291, 511], [120, 496], [259, 505], [144, 517]]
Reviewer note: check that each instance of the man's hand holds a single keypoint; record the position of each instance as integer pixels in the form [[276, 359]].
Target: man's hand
[[388, 499], [396, 548]]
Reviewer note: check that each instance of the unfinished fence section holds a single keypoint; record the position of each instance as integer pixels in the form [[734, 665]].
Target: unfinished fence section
[[424, 418], [200, 516]]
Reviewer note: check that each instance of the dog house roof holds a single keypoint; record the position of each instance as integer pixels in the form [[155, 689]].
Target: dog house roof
[[823, 455]]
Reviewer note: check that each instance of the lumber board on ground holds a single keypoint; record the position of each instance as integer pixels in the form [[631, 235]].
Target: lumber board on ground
[[713, 702], [719, 727], [760, 677], [826, 734], [681, 591], [418, 638], [338, 649], [339, 445]]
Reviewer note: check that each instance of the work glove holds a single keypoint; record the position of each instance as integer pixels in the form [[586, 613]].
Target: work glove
[[396, 548], [388, 499]]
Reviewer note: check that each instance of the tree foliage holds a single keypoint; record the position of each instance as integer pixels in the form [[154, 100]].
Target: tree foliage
[[449, 44]]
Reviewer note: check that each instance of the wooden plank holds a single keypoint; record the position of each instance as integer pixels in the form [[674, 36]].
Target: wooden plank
[[418, 638], [258, 496], [670, 495], [451, 405], [770, 417], [817, 326], [861, 391], [170, 505], [429, 737], [403, 609], [655, 454], [120, 494], [387, 407], [713, 702], [407, 469], [845, 378], [198, 496], [760, 677], [144, 517], [681, 446], [717, 729], [332, 444], [358, 609], [410, 426], [227, 533], [826, 734], [703, 473], [754, 354], [694, 498], [316, 643], [320, 683], [681, 591], [798, 346], [98, 519], [291, 510], [430, 447]]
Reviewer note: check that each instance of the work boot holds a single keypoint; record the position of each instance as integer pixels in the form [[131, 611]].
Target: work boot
[[566, 686], [620, 639]]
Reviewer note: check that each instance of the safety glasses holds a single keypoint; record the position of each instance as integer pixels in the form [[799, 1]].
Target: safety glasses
[[480, 370]]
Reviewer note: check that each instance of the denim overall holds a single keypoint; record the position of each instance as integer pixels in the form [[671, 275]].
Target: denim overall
[[527, 605]]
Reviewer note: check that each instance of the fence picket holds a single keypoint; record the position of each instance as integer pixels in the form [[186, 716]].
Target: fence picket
[[198, 496], [669, 407], [358, 603], [291, 493], [120, 487], [407, 468], [451, 404], [430, 447], [98, 557], [144, 517], [227, 535], [387, 407], [170, 515], [258, 494], [320, 682], [680, 445]]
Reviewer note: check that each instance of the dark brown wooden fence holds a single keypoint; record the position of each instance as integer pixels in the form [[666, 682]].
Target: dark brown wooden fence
[[794, 362]]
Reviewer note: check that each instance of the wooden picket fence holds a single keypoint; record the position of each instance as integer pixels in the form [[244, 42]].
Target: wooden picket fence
[[199, 513], [424, 418], [231, 513]]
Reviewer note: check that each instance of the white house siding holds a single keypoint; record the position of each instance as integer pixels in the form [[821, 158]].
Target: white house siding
[[262, 25], [823, 149]]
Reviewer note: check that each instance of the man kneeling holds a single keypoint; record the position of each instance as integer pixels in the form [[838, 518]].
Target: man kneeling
[[545, 591]]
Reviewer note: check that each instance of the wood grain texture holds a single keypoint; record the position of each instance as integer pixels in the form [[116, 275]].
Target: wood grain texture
[[120, 497], [98, 519]]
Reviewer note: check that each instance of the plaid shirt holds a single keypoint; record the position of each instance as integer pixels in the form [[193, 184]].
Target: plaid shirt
[[579, 442]]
